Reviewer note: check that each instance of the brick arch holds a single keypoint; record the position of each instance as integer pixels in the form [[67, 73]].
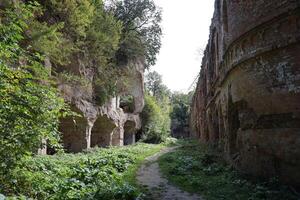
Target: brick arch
[[129, 132], [73, 131], [102, 131]]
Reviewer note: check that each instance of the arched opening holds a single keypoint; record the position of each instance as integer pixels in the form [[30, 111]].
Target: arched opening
[[127, 103], [74, 132], [129, 132], [233, 123], [102, 132], [225, 16], [216, 126]]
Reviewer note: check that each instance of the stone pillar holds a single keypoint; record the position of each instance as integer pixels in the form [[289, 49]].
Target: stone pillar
[[118, 136], [43, 149], [88, 134]]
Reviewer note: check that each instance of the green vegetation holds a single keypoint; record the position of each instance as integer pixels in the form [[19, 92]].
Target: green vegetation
[[180, 111], [105, 174], [164, 110], [156, 113], [103, 38], [24, 84], [141, 33], [74, 36], [155, 87], [198, 169], [155, 120], [127, 103]]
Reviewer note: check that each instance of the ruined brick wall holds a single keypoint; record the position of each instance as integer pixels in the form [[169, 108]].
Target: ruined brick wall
[[247, 100]]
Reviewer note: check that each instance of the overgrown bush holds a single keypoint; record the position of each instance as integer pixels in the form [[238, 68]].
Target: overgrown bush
[[155, 120], [29, 106], [97, 174]]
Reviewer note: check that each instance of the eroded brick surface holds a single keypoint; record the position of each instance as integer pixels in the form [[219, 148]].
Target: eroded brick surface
[[247, 99]]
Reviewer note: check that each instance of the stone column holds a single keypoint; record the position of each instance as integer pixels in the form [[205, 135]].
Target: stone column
[[88, 134]]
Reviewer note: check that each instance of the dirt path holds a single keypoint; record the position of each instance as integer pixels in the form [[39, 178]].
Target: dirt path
[[157, 186]]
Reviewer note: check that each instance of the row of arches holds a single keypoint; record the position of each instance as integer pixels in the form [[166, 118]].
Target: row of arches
[[218, 122], [79, 133]]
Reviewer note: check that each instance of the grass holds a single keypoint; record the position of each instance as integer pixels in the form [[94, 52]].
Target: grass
[[198, 169], [102, 173]]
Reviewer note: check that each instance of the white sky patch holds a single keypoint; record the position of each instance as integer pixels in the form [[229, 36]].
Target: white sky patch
[[185, 31]]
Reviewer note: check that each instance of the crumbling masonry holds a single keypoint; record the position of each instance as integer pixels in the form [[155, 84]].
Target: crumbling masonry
[[247, 101], [102, 126]]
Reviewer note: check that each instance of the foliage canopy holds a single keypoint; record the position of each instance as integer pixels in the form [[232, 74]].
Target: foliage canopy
[[29, 106], [141, 33], [156, 113]]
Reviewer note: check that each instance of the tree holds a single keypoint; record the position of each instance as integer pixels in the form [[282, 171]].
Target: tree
[[92, 32], [141, 34], [155, 120], [155, 86], [156, 114], [87, 34], [180, 113], [180, 108]]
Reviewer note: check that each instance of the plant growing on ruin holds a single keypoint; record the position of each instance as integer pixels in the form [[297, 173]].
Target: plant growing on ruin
[[141, 33], [197, 168], [127, 103], [29, 106]]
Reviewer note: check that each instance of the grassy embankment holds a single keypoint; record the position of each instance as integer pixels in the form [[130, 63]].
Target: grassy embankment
[[105, 174], [198, 169]]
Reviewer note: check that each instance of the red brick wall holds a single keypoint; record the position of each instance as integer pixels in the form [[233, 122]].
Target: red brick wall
[[248, 95]]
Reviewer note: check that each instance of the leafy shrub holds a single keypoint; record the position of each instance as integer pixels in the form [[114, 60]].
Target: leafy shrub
[[155, 120], [96, 174], [29, 106]]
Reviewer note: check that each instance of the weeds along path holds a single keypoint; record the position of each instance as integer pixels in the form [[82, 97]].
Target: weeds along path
[[155, 185]]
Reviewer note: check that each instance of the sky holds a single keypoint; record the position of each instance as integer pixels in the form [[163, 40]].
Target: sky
[[185, 34]]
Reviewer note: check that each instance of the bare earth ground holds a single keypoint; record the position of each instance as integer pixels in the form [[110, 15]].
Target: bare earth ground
[[157, 187]]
